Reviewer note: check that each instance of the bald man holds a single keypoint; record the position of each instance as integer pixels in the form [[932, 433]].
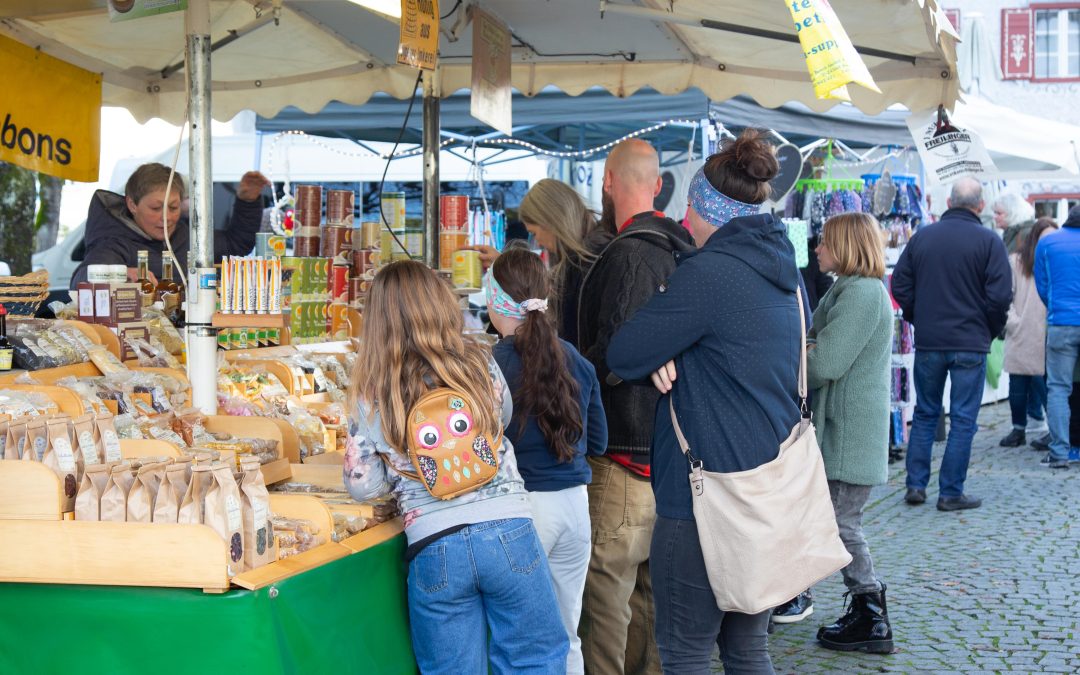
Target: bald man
[[616, 626], [954, 284]]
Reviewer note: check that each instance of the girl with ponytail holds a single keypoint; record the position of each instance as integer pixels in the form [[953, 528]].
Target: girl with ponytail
[[557, 420]]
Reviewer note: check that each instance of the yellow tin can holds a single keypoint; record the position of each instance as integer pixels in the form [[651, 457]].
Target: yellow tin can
[[467, 270]]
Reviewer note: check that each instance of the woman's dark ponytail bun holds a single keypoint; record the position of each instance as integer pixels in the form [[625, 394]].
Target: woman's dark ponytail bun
[[743, 169]]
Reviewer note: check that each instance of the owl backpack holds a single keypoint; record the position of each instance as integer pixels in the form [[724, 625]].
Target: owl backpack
[[449, 453]]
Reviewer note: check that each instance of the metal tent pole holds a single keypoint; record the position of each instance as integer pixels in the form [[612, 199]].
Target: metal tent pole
[[431, 140], [202, 289]]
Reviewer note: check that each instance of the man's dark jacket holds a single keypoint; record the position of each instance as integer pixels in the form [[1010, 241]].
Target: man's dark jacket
[[954, 284], [113, 238], [629, 271]]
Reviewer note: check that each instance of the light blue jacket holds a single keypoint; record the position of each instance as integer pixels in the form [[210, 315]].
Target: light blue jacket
[[1057, 272]]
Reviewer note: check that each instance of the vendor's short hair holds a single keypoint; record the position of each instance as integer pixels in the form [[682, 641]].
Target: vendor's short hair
[[856, 242], [150, 177]]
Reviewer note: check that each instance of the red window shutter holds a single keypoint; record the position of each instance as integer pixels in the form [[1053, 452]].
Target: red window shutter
[[954, 18], [1017, 43]]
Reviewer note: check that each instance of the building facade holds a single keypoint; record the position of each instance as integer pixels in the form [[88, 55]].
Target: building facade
[[1036, 49]]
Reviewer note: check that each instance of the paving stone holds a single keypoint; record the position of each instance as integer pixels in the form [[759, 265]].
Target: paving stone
[[992, 589]]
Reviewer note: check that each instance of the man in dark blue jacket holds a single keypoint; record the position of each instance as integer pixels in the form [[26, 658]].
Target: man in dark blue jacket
[[1057, 278], [954, 284]]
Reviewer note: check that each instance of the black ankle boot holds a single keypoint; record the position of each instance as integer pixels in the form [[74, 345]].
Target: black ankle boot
[[865, 626]]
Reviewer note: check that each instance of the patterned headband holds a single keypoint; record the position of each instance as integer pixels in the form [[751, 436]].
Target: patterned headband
[[714, 206], [503, 304]]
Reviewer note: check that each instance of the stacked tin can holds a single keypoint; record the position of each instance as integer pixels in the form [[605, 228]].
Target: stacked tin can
[[453, 228], [308, 218], [337, 246], [367, 255]]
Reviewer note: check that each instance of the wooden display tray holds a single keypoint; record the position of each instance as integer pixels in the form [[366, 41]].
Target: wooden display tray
[[278, 369], [65, 399], [41, 547], [108, 338], [52, 375], [221, 320]]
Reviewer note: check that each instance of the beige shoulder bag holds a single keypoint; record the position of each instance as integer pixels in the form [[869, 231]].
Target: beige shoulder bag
[[768, 533]]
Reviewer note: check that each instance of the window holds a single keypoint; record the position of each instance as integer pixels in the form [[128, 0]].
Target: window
[[1054, 206], [1057, 43]]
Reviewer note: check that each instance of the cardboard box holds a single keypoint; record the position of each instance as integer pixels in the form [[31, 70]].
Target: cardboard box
[[130, 329], [85, 302], [126, 304], [102, 303]]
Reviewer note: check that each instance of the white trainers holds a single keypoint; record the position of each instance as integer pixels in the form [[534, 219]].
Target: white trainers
[[1036, 427]]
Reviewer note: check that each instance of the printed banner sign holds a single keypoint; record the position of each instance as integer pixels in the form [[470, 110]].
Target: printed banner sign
[[830, 57], [125, 10], [50, 114], [947, 151], [418, 44], [490, 97]]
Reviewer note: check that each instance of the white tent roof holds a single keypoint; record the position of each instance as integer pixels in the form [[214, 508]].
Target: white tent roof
[[323, 50], [1021, 145]]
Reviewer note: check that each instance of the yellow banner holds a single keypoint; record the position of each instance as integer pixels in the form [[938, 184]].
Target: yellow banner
[[418, 44], [830, 57], [50, 115]]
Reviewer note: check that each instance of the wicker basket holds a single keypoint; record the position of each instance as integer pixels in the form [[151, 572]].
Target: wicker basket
[[21, 296]]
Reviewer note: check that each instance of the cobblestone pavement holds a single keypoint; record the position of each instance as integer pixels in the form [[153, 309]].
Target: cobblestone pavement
[[987, 590]]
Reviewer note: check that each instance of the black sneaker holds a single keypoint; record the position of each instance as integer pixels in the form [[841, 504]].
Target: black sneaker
[[915, 496], [796, 609], [1042, 443], [958, 503], [1051, 463]]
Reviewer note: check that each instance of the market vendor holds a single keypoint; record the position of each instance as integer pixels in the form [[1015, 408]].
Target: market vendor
[[119, 226]]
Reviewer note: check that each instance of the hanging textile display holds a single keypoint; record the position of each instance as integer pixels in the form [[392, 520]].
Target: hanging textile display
[[815, 201], [897, 204]]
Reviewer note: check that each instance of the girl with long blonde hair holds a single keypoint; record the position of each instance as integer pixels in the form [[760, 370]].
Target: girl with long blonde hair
[[475, 561]]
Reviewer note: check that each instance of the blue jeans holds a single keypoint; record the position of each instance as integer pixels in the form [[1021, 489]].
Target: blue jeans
[[688, 622], [1062, 347], [491, 576], [967, 370], [1027, 398]]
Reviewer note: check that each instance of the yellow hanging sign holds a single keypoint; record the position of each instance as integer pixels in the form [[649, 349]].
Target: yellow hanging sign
[[830, 57], [50, 115], [418, 43]]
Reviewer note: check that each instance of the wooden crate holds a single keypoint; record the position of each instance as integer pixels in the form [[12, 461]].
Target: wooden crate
[[29, 491]]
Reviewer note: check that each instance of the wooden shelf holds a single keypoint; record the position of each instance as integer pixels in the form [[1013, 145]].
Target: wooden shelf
[[250, 320]]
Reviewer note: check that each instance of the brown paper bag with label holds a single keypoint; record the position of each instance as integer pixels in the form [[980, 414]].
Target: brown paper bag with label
[[60, 457], [88, 501], [4, 421], [37, 439], [255, 502], [85, 437], [191, 506], [16, 438], [140, 503], [172, 489], [110, 442], [114, 498], [224, 513]]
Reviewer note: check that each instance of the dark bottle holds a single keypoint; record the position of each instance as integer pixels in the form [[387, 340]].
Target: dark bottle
[[6, 348]]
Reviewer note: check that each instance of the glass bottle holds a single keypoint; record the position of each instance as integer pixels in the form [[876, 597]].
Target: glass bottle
[[6, 348], [145, 285], [166, 284]]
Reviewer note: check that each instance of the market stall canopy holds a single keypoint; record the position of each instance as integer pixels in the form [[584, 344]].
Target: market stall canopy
[[1022, 146], [271, 53], [557, 121]]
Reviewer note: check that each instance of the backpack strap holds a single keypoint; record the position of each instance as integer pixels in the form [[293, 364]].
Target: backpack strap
[[407, 474]]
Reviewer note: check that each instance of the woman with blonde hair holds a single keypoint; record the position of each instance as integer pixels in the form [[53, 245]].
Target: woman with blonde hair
[[848, 371], [562, 224], [475, 562]]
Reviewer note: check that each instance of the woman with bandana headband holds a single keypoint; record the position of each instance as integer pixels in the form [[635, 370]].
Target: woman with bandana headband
[[722, 338], [558, 420]]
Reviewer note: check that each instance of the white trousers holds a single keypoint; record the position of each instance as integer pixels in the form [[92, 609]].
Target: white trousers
[[562, 520]]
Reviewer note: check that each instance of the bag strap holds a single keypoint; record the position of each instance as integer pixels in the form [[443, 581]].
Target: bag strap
[[685, 446], [803, 389], [390, 465]]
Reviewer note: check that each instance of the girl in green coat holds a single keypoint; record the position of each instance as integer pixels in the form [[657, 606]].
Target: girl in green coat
[[848, 371]]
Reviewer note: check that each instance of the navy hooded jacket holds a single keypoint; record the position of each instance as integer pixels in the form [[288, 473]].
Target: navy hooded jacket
[[729, 319]]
